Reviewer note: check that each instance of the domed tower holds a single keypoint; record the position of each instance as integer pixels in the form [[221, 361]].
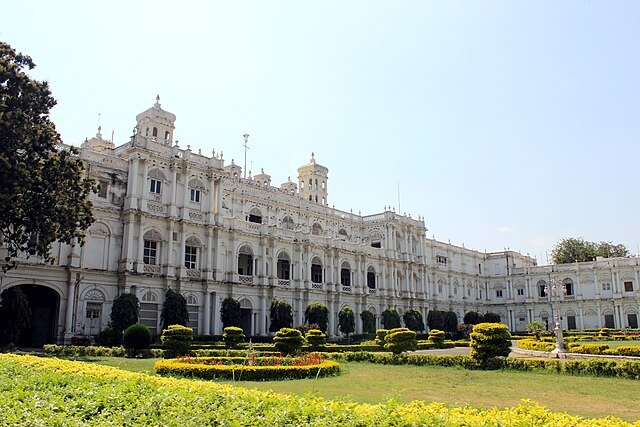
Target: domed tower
[[156, 123], [312, 180]]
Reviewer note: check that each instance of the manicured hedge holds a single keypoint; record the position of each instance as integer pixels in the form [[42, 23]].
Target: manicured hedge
[[94, 351], [245, 372], [536, 345], [595, 367], [46, 391]]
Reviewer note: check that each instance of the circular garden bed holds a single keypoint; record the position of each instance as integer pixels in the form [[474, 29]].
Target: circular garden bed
[[252, 368]]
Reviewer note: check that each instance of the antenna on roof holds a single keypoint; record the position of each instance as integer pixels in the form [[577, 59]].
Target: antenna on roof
[[246, 147]]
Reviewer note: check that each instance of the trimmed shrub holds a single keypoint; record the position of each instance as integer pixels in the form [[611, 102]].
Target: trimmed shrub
[[588, 348], [346, 320], [536, 345], [390, 318], [399, 340], [368, 322], [210, 369], [96, 351], [437, 336], [280, 315], [233, 336], [472, 318], [380, 334], [288, 341], [316, 339], [628, 350], [604, 332], [125, 312], [176, 341], [231, 312], [136, 338], [488, 341], [317, 313], [174, 309]]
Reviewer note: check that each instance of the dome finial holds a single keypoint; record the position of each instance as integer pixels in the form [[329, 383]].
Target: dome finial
[[157, 100], [313, 157]]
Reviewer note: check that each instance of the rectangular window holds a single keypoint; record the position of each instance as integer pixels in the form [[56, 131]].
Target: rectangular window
[[628, 286], [442, 260], [150, 252], [439, 289], [102, 189], [542, 291], [499, 293], [194, 195], [606, 286], [94, 310], [190, 257], [156, 186], [568, 289], [521, 292]]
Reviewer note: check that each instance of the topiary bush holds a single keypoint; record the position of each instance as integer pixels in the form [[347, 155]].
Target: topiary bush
[[288, 341], [176, 341], [380, 334], [437, 337], [368, 322], [399, 340], [233, 336], [488, 341], [136, 338], [316, 339]]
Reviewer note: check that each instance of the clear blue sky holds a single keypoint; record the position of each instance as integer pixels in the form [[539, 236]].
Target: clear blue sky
[[506, 124]]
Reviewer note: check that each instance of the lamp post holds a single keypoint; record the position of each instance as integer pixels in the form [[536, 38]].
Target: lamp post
[[556, 285]]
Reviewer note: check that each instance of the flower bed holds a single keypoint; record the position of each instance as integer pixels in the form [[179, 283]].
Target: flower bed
[[48, 391], [250, 368]]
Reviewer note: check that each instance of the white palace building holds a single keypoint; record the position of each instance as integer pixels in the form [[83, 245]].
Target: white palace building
[[170, 218]]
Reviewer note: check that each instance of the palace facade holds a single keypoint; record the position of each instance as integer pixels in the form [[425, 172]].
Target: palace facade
[[167, 217]]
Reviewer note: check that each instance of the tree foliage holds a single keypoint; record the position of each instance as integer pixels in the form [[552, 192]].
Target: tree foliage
[[413, 320], [125, 312], [576, 249], [15, 314], [450, 322], [280, 315], [43, 195], [174, 309], [317, 313], [368, 322], [490, 317], [390, 318], [346, 320], [472, 318], [231, 312], [435, 319]]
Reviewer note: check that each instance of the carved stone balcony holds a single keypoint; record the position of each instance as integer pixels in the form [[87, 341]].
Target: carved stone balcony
[[245, 280]]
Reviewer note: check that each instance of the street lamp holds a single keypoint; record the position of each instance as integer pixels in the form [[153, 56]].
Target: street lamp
[[556, 285]]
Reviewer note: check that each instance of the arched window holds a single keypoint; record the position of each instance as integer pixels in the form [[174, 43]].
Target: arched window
[[316, 229], [342, 233], [191, 249], [316, 270], [345, 274], [155, 181], [287, 223], [371, 278], [155, 132], [568, 287], [245, 261], [167, 136], [542, 288], [284, 266], [255, 216], [151, 247], [149, 297]]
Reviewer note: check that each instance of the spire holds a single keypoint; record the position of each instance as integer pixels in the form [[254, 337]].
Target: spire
[[157, 104], [313, 157], [99, 134]]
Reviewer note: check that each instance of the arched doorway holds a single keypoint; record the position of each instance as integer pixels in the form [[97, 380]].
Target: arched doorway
[[44, 303]]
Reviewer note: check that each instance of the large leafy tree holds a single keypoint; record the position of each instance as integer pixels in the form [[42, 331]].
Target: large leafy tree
[[174, 309], [43, 194], [450, 322], [317, 313], [280, 315], [125, 312], [435, 319], [231, 312], [390, 318], [368, 322], [576, 249], [346, 320], [413, 320]]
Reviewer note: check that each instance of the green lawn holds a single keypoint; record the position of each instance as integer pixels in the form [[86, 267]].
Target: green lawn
[[365, 382]]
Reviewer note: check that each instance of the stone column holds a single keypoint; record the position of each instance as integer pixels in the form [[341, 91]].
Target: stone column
[[207, 313]]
